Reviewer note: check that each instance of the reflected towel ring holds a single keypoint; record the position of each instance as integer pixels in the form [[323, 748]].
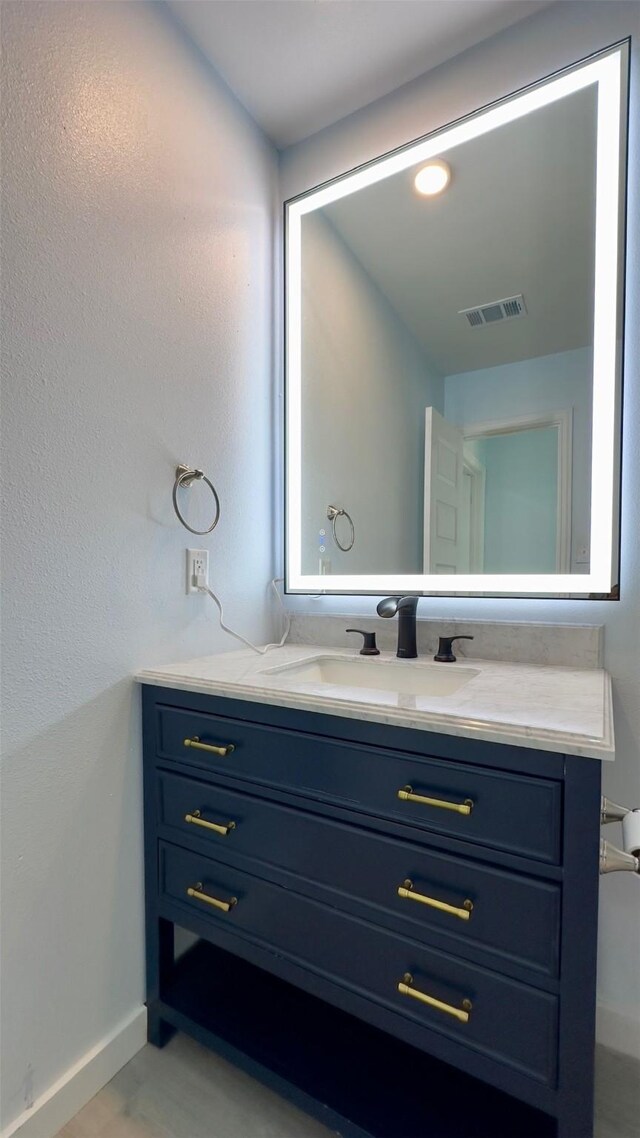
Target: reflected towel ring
[[185, 476], [334, 512]]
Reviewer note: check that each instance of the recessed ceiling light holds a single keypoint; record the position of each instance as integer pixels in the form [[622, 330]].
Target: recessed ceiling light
[[433, 178]]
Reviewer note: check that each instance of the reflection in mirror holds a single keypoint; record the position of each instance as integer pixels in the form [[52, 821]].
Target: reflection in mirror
[[510, 512], [446, 359]]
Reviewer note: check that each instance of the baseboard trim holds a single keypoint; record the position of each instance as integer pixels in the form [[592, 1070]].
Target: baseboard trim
[[52, 1110], [617, 1031]]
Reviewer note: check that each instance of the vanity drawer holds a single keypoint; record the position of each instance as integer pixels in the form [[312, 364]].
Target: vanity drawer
[[511, 915], [482, 1010], [494, 808]]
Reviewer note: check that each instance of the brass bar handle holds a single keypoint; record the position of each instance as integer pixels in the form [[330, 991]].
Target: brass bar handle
[[197, 891], [462, 1014], [196, 820], [406, 890], [198, 746], [407, 795]]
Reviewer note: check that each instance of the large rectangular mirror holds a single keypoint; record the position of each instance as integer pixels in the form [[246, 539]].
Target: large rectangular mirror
[[454, 345]]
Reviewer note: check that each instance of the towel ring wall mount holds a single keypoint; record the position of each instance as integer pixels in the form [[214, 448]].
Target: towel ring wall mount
[[333, 513], [185, 477]]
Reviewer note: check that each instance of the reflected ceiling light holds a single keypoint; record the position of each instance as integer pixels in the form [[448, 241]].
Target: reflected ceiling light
[[433, 178]]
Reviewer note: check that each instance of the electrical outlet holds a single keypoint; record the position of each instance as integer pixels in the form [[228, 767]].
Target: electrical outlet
[[197, 566]]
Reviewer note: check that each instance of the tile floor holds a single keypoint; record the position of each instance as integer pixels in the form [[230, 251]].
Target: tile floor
[[185, 1091]]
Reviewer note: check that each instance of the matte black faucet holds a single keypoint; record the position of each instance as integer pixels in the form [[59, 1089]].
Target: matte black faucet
[[406, 608]]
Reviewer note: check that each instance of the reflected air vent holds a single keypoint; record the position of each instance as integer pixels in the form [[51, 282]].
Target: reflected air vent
[[510, 309]]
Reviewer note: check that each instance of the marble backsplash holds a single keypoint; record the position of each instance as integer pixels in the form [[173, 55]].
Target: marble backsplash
[[569, 645]]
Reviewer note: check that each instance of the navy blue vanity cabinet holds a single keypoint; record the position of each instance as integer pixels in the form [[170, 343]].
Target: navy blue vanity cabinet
[[396, 929]]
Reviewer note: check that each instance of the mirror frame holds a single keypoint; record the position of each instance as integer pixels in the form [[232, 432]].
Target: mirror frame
[[609, 70]]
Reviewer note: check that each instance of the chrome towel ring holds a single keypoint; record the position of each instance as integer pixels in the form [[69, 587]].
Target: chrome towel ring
[[185, 476], [333, 513]]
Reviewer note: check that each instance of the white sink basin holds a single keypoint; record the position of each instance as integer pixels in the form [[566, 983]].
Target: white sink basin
[[405, 677]]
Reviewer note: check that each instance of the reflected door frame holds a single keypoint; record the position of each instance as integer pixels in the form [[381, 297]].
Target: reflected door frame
[[477, 475], [562, 422]]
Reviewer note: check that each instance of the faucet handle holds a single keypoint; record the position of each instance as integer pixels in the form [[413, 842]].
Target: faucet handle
[[369, 646], [445, 655]]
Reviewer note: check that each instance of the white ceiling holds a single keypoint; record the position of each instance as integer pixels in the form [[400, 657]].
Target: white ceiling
[[518, 217], [300, 65]]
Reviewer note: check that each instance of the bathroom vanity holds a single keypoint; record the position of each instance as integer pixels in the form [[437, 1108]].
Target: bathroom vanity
[[392, 866], [395, 894]]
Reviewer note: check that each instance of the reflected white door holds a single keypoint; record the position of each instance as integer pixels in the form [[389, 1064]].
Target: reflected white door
[[443, 495]]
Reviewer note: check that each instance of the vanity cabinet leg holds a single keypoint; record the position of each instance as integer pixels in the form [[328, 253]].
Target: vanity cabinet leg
[[575, 1125], [159, 1031], [160, 957]]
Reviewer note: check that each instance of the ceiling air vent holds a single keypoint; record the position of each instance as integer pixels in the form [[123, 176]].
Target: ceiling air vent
[[510, 309]]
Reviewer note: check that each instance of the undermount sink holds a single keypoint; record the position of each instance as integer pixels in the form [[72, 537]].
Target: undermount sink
[[404, 677]]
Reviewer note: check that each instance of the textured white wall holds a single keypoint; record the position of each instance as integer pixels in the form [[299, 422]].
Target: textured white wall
[[552, 39], [366, 385], [137, 272]]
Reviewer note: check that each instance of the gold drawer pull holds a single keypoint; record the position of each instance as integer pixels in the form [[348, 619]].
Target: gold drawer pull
[[198, 821], [197, 892], [407, 795], [406, 890], [405, 989], [198, 746]]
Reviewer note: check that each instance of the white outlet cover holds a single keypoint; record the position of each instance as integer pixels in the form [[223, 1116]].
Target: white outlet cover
[[197, 565]]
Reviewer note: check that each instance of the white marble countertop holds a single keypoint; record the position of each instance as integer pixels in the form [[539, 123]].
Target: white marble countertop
[[561, 709]]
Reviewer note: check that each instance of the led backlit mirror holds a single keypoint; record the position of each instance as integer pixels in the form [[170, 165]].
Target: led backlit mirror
[[454, 345]]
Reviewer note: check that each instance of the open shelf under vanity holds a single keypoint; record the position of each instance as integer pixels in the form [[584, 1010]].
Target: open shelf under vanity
[[357, 1080]]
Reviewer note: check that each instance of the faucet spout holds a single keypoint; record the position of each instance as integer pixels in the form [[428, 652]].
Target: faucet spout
[[406, 608]]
